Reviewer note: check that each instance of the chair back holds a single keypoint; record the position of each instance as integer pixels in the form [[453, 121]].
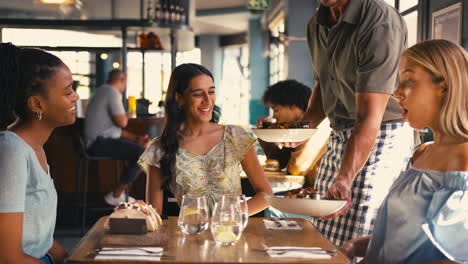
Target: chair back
[[81, 142], [83, 150]]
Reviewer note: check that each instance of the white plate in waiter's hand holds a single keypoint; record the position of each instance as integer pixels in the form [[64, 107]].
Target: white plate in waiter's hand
[[307, 207], [284, 134]]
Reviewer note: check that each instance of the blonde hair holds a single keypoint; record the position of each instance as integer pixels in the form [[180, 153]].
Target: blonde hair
[[446, 62]]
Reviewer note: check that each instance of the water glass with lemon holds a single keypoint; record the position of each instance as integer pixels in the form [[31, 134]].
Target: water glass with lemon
[[244, 209], [226, 221], [193, 216]]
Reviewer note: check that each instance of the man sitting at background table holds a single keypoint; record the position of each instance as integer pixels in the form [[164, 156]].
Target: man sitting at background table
[[105, 136], [289, 99]]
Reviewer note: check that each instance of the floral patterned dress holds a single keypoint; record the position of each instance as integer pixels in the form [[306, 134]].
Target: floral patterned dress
[[215, 173]]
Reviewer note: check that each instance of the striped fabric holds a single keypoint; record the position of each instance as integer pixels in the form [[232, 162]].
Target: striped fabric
[[391, 153]]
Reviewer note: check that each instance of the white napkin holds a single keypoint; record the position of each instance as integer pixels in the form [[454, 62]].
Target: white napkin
[[269, 224], [135, 253], [286, 252]]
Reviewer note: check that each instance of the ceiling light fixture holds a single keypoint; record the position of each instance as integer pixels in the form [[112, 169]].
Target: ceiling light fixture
[[104, 56]]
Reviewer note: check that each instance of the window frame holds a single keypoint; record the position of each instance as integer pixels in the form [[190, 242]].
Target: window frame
[[277, 25], [422, 8]]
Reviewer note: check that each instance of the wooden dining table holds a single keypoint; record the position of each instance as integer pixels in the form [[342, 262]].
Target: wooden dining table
[[201, 248]]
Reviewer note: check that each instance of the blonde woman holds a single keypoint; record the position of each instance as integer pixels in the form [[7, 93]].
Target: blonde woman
[[423, 219]]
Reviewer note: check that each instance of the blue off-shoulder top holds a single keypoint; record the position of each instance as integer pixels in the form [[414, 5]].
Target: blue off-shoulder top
[[423, 219]]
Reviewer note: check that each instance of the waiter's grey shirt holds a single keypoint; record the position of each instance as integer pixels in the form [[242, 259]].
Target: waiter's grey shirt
[[105, 103], [360, 54]]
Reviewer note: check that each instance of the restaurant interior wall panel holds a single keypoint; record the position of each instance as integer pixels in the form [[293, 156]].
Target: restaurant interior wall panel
[[298, 60], [258, 63]]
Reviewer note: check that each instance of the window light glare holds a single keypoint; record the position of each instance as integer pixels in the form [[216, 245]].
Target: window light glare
[[57, 1]]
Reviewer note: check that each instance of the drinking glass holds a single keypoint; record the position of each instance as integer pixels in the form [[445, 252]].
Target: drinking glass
[[226, 220], [193, 216], [244, 210]]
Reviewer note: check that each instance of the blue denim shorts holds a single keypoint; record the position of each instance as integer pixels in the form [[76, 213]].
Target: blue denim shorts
[[47, 259]]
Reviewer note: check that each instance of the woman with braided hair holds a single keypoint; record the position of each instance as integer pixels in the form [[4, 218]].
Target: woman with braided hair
[[36, 96]]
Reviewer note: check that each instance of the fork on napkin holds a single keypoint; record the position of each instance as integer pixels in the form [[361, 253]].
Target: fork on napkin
[[300, 252], [130, 253], [281, 224]]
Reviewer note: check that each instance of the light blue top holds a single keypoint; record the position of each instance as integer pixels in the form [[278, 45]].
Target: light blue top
[[26, 187], [423, 219]]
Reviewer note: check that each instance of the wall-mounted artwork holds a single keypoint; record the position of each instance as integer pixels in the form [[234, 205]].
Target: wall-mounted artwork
[[447, 22]]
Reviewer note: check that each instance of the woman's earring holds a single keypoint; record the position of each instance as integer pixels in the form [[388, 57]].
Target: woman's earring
[[39, 116]]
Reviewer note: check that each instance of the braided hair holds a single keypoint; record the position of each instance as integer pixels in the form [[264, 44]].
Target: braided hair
[[170, 138], [22, 74]]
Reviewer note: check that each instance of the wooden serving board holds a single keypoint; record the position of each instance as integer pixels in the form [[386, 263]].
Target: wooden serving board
[[150, 239]]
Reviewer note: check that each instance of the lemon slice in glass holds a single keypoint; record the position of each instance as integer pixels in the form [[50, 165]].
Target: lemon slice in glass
[[190, 211], [225, 235]]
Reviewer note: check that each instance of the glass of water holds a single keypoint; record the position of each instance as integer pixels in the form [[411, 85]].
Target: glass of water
[[226, 220], [193, 216], [244, 210]]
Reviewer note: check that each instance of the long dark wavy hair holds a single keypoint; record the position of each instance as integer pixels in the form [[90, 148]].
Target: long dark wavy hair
[[175, 115], [22, 74]]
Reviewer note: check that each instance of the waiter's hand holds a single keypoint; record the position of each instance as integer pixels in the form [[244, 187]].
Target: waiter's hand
[[341, 212], [340, 190]]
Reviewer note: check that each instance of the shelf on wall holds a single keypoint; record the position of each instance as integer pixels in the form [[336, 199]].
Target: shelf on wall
[[94, 49], [116, 24]]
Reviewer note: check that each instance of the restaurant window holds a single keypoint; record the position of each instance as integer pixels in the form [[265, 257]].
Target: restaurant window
[[409, 10], [277, 49], [80, 64], [157, 74], [411, 20], [134, 74], [407, 4], [233, 92], [191, 56], [157, 66]]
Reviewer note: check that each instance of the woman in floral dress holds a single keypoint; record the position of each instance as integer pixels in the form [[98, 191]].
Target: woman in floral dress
[[194, 154]]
